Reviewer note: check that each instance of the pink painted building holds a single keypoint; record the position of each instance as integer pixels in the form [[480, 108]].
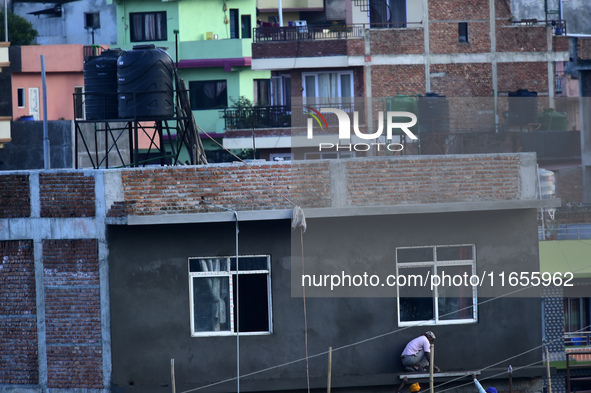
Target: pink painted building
[[64, 69]]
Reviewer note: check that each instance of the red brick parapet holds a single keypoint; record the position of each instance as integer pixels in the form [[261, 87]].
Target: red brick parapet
[[312, 184]]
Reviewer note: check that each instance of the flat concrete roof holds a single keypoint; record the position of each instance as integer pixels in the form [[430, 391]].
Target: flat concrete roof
[[351, 211]]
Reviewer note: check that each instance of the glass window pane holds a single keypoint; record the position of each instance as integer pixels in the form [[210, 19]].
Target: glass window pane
[[211, 303], [454, 299], [346, 85], [253, 302], [208, 265], [416, 300], [414, 254], [454, 253], [310, 85], [249, 263]]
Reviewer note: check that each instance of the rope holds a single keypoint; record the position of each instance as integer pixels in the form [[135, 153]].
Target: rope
[[305, 316]]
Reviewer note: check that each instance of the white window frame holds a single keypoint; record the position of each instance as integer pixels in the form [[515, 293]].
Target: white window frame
[[434, 265], [338, 98], [229, 274], [23, 102], [278, 93]]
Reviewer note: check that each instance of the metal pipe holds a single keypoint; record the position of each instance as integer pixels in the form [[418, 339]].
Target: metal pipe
[[237, 296], [6, 20], [280, 11], [46, 163], [431, 369]]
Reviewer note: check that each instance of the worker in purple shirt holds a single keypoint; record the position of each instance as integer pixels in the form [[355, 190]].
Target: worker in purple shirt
[[415, 356], [480, 388]]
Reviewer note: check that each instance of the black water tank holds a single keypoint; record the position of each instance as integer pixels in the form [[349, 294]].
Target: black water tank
[[145, 83], [433, 114], [523, 108], [100, 86]]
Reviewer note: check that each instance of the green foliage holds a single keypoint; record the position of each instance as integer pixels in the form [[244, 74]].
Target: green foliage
[[20, 30], [241, 102]]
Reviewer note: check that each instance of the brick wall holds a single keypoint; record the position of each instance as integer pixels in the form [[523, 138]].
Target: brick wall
[[79, 367], [66, 195], [388, 81], [503, 8], [569, 184], [18, 322], [462, 80], [72, 313], [584, 48], [522, 38], [458, 9], [396, 41], [356, 47], [180, 190], [560, 43], [514, 76], [433, 180], [312, 48], [444, 38], [15, 200], [425, 180]]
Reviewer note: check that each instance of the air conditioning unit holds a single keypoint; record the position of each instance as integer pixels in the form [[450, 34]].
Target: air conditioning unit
[[209, 35]]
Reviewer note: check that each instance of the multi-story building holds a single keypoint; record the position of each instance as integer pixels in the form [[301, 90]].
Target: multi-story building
[[210, 42], [70, 22], [6, 113], [476, 53]]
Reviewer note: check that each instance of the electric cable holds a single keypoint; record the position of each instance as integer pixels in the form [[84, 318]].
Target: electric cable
[[423, 323]]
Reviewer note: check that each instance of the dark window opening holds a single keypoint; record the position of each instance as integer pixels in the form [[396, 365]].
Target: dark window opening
[[463, 31], [79, 103], [208, 94], [245, 26], [262, 92], [234, 28], [253, 304], [21, 97], [92, 20], [147, 26]]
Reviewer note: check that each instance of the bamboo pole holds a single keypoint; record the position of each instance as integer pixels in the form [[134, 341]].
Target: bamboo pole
[[172, 375], [329, 369], [548, 371], [431, 368], [510, 379]]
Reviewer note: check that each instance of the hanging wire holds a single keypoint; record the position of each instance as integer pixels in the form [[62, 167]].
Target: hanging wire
[[378, 337]]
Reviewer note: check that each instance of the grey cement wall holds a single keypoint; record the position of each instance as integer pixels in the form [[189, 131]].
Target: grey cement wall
[[94, 139], [150, 304], [69, 29], [25, 151]]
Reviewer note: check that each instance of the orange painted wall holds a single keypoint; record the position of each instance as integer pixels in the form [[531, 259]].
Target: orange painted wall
[[60, 90], [64, 70]]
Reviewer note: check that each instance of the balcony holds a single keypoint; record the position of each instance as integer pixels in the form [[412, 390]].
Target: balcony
[[323, 32], [256, 117], [571, 222], [295, 116]]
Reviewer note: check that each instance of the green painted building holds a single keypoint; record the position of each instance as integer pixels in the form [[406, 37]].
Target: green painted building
[[211, 42]]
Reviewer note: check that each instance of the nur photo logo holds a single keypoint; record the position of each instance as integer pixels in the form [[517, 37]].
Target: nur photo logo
[[393, 120]]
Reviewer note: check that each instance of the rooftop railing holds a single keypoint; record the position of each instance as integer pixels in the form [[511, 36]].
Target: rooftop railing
[[324, 32]]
